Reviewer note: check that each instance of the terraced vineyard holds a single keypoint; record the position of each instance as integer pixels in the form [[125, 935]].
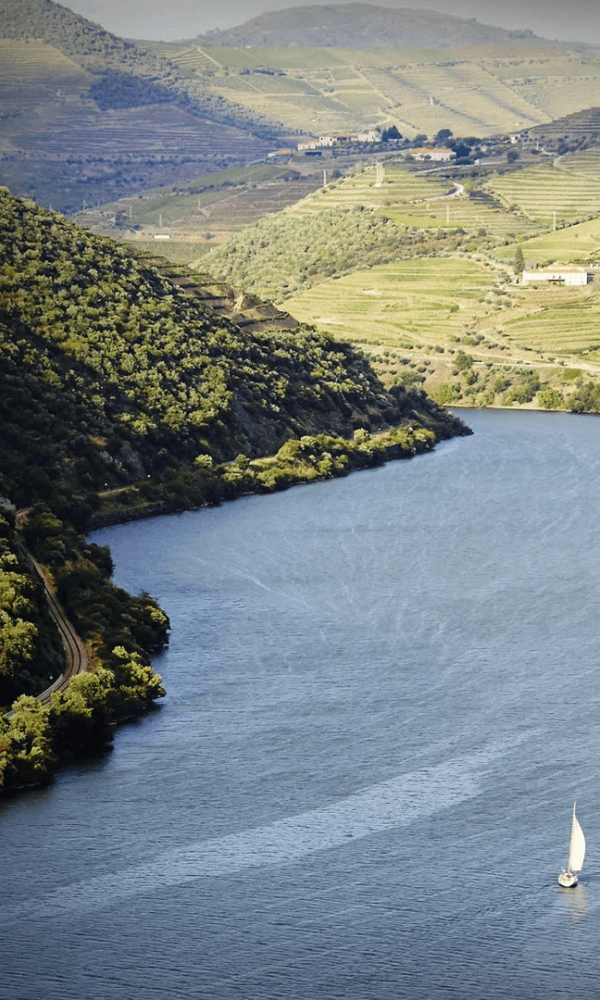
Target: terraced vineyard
[[463, 329], [406, 304], [66, 142], [577, 244], [189, 205], [476, 91], [547, 195], [555, 85], [424, 201], [203, 213], [562, 322], [399, 187], [585, 162], [464, 97]]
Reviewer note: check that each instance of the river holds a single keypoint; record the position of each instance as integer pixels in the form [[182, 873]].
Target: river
[[383, 699]]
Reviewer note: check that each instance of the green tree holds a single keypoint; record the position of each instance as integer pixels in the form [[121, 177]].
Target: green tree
[[550, 399], [519, 263], [18, 644], [80, 717], [444, 394], [27, 745]]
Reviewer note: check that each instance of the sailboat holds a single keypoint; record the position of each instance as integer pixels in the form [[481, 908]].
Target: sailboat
[[568, 877]]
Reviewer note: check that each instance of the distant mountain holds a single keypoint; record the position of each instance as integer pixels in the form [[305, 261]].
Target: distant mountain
[[361, 26], [87, 116]]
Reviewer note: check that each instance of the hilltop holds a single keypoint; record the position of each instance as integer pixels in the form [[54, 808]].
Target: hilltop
[[360, 26], [87, 116]]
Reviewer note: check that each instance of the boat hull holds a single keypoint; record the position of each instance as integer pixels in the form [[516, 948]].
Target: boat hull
[[567, 879]]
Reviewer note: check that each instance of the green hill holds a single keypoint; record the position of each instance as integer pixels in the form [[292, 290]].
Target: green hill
[[87, 116], [112, 372]]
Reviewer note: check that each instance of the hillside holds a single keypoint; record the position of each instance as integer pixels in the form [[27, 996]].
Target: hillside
[[422, 269], [113, 373], [87, 116], [116, 372], [474, 90], [359, 26], [122, 394], [571, 132]]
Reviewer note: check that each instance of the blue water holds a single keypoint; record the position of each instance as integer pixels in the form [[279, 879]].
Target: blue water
[[383, 698]]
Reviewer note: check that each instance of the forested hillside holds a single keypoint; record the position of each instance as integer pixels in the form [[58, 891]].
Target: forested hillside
[[123, 393], [113, 373], [287, 251]]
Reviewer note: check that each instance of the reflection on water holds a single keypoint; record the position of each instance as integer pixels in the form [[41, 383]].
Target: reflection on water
[[575, 901]]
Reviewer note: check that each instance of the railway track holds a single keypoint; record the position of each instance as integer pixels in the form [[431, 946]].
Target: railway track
[[77, 658], [76, 653]]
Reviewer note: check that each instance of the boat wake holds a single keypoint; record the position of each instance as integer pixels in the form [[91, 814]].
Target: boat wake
[[394, 803]]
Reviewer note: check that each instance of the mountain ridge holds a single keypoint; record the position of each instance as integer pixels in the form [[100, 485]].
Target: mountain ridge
[[360, 26]]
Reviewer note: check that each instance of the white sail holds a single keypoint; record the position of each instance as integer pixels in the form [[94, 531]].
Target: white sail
[[577, 845]]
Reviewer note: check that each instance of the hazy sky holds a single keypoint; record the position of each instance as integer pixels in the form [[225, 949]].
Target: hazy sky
[[174, 19]]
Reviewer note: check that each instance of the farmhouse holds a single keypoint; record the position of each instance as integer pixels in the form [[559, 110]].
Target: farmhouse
[[439, 153], [566, 274], [327, 141]]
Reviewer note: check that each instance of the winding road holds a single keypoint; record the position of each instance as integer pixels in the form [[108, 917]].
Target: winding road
[[76, 653]]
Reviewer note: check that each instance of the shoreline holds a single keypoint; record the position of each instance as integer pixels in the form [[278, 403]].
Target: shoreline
[[253, 479]]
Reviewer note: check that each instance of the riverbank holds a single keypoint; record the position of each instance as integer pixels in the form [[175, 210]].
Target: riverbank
[[298, 461], [42, 733]]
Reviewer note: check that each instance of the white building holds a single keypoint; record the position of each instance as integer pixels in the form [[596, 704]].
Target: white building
[[566, 274], [438, 153], [328, 141], [370, 136]]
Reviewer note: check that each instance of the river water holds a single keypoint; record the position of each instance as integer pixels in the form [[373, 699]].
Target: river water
[[383, 699]]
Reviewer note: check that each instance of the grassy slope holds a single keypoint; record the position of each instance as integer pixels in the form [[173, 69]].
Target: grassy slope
[[474, 91], [450, 285]]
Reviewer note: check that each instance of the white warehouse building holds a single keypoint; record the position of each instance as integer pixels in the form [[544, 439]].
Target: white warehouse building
[[566, 274]]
